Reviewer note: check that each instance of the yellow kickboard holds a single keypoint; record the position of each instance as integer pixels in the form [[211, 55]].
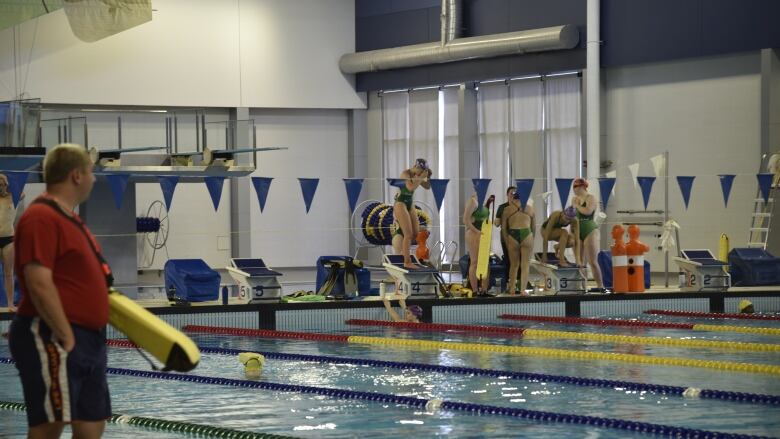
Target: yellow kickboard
[[485, 241], [164, 342]]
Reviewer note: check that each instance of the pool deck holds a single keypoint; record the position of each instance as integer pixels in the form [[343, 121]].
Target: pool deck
[[332, 314]]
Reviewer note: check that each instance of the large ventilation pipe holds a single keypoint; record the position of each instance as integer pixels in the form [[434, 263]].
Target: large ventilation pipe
[[450, 20], [487, 46]]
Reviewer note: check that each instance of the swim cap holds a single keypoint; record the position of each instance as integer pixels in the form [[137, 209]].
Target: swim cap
[[581, 182], [746, 307], [422, 164], [416, 310], [570, 212]]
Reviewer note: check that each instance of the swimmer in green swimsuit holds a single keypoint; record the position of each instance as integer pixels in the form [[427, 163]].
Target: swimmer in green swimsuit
[[554, 229], [474, 216], [403, 208], [517, 226], [585, 204]]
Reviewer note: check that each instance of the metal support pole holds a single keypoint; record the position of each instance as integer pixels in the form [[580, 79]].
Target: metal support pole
[[254, 143], [666, 214], [593, 89], [70, 129], [175, 133], [197, 132], [203, 128], [119, 131]]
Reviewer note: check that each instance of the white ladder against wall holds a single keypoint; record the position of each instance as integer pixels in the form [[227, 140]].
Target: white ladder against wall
[[762, 213]]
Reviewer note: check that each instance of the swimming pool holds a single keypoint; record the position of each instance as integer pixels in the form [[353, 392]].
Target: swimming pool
[[307, 415]]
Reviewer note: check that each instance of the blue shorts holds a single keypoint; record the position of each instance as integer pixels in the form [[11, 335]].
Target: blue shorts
[[60, 386]]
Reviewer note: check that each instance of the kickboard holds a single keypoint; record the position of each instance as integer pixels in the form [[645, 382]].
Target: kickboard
[[164, 342], [485, 241]]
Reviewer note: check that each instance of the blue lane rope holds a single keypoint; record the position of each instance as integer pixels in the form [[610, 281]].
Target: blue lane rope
[[481, 409], [722, 395], [478, 409]]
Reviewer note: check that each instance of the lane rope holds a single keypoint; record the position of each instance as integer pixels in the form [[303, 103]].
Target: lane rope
[[434, 404], [640, 324], [712, 315], [681, 391], [610, 338], [187, 428], [521, 350], [502, 330]]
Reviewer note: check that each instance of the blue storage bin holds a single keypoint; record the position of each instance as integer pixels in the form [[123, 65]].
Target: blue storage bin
[[191, 280]]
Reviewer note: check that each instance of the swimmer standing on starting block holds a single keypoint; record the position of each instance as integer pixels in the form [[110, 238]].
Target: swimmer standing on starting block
[[403, 209]]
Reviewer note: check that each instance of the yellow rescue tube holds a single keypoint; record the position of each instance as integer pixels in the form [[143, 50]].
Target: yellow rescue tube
[[164, 342]]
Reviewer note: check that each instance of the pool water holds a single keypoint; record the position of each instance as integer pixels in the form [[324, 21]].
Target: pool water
[[305, 415]]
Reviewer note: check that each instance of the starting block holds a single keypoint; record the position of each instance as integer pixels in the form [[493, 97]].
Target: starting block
[[562, 280], [701, 271], [418, 282], [256, 282]]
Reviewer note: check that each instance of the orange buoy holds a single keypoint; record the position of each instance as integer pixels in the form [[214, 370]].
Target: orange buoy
[[422, 252], [635, 251], [619, 261]]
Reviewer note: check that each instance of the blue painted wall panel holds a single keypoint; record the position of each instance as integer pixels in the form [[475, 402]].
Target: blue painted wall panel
[[633, 32]]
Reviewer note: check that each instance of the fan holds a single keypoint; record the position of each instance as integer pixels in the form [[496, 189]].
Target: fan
[[154, 226]]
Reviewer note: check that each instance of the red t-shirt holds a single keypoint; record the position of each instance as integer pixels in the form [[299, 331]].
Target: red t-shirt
[[49, 238]]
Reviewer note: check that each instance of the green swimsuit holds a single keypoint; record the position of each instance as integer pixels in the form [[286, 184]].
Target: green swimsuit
[[587, 225], [558, 223], [519, 234], [479, 216], [405, 196]]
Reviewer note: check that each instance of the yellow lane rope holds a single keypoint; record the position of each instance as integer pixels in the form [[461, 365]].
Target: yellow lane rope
[[570, 354], [615, 338], [742, 329]]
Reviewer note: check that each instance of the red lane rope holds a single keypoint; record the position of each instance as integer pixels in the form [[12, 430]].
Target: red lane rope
[[439, 326], [265, 333], [597, 322], [119, 343], [713, 315]]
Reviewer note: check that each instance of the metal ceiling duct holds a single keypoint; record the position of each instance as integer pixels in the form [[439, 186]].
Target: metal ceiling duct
[[486, 46], [450, 20]]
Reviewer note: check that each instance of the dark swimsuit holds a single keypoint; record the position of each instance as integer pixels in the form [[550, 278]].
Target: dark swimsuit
[[405, 196], [519, 234], [479, 216], [5, 241]]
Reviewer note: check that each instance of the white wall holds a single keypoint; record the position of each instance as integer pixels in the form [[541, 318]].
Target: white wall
[[196, 230], [240, 53], [706, 112], [284, 235]]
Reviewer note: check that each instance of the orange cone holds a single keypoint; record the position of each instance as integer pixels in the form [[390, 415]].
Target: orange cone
[[619, 261], [635, 250]]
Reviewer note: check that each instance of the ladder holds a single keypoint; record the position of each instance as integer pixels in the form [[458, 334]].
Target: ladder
[[762, 215]]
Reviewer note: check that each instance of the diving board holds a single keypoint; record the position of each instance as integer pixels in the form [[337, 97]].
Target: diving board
[[226, 157], [112, 157]]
